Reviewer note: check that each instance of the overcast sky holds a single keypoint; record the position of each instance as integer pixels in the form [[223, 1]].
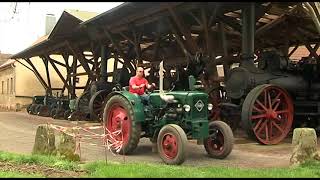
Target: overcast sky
[[19, 30]]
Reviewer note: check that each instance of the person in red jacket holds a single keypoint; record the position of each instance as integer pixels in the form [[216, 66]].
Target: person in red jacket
[[138, 85]]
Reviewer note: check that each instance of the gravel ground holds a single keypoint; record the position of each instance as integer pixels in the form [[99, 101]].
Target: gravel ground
[[18, 131]]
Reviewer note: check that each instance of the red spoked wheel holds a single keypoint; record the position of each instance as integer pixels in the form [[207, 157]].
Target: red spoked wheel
[[118, 119], [219, 144], [267, 114], [171, 144]]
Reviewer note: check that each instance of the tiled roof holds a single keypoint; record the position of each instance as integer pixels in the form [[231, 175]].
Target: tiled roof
[[302, 51]]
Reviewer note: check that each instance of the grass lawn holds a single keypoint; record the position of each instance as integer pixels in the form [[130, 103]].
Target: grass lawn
[[12, 174], [113, 169], [100, 169]]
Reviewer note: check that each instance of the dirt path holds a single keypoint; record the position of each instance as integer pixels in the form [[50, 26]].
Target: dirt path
[[18, 131]]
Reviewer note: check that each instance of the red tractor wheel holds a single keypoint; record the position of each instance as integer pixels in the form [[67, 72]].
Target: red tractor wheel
[[171, 144], [118, 117], [267, 114], [219, 144]]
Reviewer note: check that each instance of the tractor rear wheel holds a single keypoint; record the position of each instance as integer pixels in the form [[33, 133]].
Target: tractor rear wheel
[[96, 104], [267, 114], [172, 141], [53, 112], [31, 109], [219, 144], [44, 111], [36, 108], [82, 102], [119, 122], [59, 114]]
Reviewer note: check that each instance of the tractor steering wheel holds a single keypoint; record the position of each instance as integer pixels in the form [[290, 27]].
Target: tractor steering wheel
[[149, 91]]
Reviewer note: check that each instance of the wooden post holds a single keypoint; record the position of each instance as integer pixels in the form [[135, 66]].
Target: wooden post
[[115, 65], [76, 53], [48, 75], [193, 47], [74, 78], [137, 40], [44, 84], [121, 53], [179, 39], [58, 72], [293, 50], [226, 66]]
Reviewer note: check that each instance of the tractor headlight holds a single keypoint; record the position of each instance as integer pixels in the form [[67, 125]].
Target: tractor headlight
[[210, 106], [187, 108]]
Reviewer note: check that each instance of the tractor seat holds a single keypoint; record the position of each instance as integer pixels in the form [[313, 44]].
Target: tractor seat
[[126, 88]]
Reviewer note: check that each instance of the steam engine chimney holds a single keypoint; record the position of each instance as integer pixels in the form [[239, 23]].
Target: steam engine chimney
[[50, 23]]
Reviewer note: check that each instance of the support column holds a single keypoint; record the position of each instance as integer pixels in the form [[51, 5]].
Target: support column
[[248, 31], [103, 71], [44, 84], [46, 64], [226, 65]]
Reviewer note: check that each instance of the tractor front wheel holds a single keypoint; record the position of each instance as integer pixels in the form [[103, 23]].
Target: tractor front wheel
[[219, 144], [171, 142]]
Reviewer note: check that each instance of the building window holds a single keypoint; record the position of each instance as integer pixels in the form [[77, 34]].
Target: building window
[[2, 85], [7, 86], [11, 88]]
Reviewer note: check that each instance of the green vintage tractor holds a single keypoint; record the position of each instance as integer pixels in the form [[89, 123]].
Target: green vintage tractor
[[36, 102], [169, 119]]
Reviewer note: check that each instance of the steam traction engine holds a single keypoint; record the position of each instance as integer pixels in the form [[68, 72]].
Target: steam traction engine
[[274, 94]]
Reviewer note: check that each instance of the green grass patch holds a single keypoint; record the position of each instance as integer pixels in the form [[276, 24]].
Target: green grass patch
[[143, 170], [12, 174], [51, 161], [146, 170]]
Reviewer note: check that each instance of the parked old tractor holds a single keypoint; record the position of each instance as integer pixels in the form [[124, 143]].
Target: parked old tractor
[[89, 105], [168, 119], [36, 101]]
